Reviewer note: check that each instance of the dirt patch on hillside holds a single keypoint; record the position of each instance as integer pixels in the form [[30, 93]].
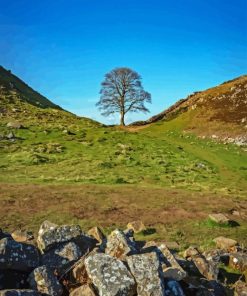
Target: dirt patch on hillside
[[22, 205]]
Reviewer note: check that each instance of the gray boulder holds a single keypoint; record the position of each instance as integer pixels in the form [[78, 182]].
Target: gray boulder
[[51, 234], [61, 257], [18, 256], [110, 276], [43, 280], [148, 274]]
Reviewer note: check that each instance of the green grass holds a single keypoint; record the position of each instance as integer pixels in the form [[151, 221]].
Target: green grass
[[96, 154], [151, 174]]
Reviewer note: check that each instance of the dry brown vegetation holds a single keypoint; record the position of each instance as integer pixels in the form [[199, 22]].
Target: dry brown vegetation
[[169, 214]]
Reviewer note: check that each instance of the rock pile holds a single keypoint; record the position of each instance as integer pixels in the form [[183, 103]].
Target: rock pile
[[66, 261]]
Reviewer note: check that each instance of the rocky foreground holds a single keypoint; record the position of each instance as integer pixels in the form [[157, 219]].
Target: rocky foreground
[[64, 260]]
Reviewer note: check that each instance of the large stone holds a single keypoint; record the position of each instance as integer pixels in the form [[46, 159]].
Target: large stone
[[97, 233], [18, 256], [119, 245], [84, 290], [238, 261], [43, 280], [110, 276], [190, 252], [62, 256], [13, 292], [224, 243], [219, 218], [148, 274], [136, 226], [51, 234], [171, 267]]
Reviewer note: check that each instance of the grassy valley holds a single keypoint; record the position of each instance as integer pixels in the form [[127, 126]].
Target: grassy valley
[[61, 167]]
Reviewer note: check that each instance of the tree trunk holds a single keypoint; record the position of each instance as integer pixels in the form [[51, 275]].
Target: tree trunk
[[122, 119]]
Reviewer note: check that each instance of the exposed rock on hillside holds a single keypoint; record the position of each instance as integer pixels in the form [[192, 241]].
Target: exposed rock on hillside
[[219, 112]]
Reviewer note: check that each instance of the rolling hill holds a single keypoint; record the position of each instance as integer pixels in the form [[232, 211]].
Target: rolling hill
[[13, 87], [219, 112]]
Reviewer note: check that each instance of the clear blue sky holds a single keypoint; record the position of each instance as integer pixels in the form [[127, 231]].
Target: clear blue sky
[[63, 48]]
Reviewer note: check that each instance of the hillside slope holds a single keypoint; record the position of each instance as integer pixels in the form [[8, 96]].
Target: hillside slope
[[20, 103], [220, 111], [18, 88]]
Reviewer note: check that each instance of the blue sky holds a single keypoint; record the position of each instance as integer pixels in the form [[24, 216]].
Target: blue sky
[[63, 48]]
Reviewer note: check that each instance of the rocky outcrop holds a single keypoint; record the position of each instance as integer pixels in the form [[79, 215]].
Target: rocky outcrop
[[78, 264]]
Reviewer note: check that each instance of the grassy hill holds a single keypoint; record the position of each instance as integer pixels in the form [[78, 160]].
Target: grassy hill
[[69, 169], [220, 112], [12, 87]]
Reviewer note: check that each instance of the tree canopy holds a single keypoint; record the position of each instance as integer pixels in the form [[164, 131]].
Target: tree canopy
[[122, 92]]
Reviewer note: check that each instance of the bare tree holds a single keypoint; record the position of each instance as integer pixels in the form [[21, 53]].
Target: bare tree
[[122, 92]]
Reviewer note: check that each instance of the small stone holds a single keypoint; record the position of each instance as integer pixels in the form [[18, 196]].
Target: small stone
[[10, 136], [16, 125], [148, 274], [97, 233], [238, 261], [85, 290], [43, 280], [190, 252], [110, 276], [119, 245], [22, 236], [136, 226], [17, 256], [219, 218], [224, 243]]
